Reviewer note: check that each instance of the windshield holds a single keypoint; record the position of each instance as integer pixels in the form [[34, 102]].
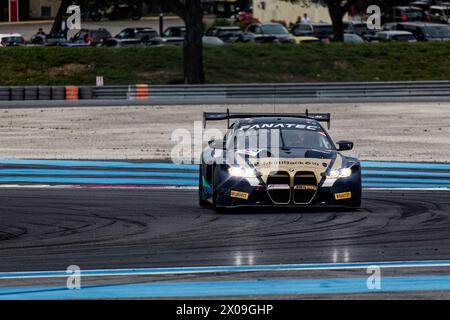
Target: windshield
[[282, 138], [437, 31], [415, 15], [324, 29], [275, 29], [11, 40]]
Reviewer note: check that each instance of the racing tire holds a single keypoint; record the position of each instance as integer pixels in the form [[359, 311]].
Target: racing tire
[[31, 93], [44, 93], [5, 93], [201, 202], [17, 93], [58, 93], [214, 194], [86, 93]]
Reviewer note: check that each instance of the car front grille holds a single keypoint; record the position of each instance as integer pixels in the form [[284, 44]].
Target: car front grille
[[305, 187], [279, 187], [282, 190]]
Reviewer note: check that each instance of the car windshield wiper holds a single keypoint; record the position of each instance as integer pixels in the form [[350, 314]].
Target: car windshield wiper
[[283, 144]]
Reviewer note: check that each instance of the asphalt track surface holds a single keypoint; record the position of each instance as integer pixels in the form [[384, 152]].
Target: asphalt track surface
[[50, 229], [133, 232]]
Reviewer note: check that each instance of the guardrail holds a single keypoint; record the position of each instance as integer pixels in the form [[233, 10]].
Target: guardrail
[[235, 93]]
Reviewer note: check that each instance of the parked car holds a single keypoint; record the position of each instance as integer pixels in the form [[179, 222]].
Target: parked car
[[267, 32], [92, 37], [114, 42], [389, 26], [350, 38], [142, 34], [440, 14], [212, 41], [174, 35], [395, 36], [174, 32], [323, 31], [11, 39], [359, 28], [426, 31], [47, 40], [306, 40], [226, 34], [405, 14]]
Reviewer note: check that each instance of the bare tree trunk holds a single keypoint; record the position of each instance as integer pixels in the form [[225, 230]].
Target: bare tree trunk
[[337, 10], [193, 43], [56, 28], [338, 26]]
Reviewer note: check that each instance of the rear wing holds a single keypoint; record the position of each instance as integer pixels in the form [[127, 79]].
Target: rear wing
[[219, 116]]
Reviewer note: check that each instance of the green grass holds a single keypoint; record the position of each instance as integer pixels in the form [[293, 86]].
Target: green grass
[[228, 64]]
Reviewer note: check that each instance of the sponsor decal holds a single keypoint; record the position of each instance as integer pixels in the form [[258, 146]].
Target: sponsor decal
[[239, 195], [286, 163], [278, 186], [279, 126], [342, 196], [305, 187]]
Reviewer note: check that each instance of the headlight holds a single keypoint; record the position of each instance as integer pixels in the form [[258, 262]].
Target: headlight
[[340, 173], [242, 172]]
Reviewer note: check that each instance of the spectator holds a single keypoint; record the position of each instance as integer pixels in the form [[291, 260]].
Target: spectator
[[306, 18], [41, 32], [64, 29]]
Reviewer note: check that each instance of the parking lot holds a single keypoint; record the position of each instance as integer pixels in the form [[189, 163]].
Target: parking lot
[[28, 29]]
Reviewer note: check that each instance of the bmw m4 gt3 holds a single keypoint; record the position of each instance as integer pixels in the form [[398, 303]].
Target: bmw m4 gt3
[[277, 160]]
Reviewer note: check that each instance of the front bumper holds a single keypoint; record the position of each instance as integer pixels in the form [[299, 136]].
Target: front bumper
[[242, 192]]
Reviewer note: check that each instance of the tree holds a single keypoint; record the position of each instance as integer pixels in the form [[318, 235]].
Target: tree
[[192, 14]]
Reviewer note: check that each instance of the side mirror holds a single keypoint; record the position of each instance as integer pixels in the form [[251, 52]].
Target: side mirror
[[344, 145], [216, 144]]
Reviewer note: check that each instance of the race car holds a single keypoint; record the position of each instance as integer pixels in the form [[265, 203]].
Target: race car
[[279, 160]]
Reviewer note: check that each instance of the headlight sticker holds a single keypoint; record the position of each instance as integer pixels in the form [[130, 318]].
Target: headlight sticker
[[343, 196], [239, 195]]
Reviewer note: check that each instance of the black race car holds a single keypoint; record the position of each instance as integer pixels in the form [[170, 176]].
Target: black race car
[[282, 160]]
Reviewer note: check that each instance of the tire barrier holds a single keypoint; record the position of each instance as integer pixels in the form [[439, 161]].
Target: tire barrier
[[31, 93], [138, 92], [72, 93], [86, 93], [58, 93], [5, 93], [17, 93], [44, 93]]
